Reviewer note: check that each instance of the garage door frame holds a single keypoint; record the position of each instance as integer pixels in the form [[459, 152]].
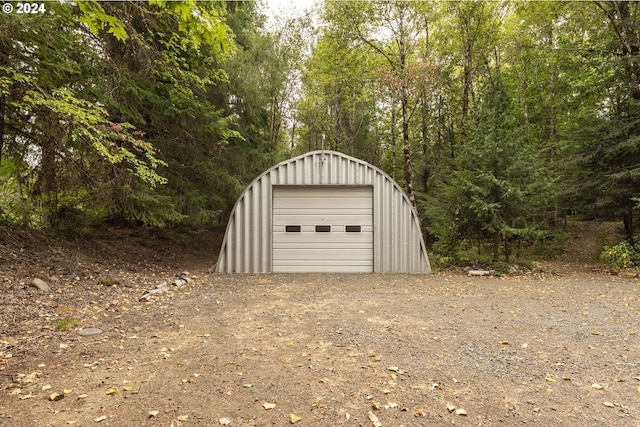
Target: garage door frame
[[323, 265]]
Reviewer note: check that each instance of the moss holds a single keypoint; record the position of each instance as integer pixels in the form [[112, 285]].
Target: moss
[[66, 323]]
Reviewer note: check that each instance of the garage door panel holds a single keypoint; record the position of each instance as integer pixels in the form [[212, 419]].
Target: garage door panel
[[281, 241], [310, 228], [359, 245], [320, 254], [320, 262], [310, 202], [325, 211], [337, 220], [322, 268], [336, 250]]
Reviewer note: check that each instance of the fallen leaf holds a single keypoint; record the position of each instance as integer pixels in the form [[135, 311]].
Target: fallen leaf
[[551, 379], [224, 421], [461, 412], [392, 404], [393, 368], [419, 413], [608, 404], [127, 388], [247, 385], [393, 376], [451, 407], [638, 389], [46, 387], [113, 390], [324, 380], [183, 418], [54, 397], [294, 418], [375, 405], [376, 422], [347, 416], [99, 419], [153, 413], [67, 390], [597, 386], [267, 405], [83, 396]]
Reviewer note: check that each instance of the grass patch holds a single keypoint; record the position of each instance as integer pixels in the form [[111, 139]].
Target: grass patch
[[66, 323]]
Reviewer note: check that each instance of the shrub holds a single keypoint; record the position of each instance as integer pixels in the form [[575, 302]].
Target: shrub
[[622, 255]]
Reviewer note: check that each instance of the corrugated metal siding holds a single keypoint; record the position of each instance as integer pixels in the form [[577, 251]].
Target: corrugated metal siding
[[398, 243]]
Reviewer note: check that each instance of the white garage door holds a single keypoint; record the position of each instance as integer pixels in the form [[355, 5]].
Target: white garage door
[[323, 229]]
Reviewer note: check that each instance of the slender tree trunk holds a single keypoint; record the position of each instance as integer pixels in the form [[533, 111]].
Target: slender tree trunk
[[49, 185], [406, 149], [507, 254], [553, 94], [496, 245], [394, 142], [467, 78], [293, 137], [2, 113], [424, 129], [625, 24], [627, 220]]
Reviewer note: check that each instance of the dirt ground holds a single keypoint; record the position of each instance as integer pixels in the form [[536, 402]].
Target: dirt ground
[[557, 346]]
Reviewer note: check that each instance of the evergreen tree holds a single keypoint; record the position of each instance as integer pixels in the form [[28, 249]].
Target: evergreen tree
[[498, 184]]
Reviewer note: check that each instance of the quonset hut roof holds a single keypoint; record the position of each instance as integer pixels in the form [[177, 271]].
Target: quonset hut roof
[[398, 245]]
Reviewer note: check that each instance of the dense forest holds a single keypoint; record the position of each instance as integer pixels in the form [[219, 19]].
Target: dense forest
[[500, 119]]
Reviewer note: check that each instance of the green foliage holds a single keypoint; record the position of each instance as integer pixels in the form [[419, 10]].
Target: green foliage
[[161, 112], [94, 16], [622, 255], [15, 207], [498, 187], [63, 325]]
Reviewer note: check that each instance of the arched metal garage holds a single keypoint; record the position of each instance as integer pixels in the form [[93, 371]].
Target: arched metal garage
[[323, 211]]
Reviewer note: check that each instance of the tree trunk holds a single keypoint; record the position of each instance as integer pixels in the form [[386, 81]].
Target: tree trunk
[[2, 113], [467, 76], [507, 249], [424, 128], [406, 149], [627, 220], [53, 136], [625, 24], [394, 142], [496, 245], [48, 174]]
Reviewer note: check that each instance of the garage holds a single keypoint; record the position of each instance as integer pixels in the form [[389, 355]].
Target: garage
[[323, 211], [322, 229]]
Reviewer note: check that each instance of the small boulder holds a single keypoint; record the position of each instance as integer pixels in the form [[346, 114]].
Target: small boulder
[[39, 284], [89, 332]]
